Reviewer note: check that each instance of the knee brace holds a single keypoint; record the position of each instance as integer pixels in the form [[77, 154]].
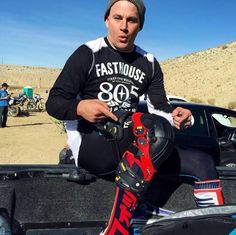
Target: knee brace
[[153, 142]]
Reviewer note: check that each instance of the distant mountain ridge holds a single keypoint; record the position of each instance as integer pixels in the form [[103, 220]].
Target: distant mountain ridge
[[208, 76]]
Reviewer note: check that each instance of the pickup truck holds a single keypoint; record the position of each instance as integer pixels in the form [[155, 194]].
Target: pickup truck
[[42, 199], [214, 131]]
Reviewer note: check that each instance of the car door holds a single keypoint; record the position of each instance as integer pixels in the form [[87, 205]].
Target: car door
[[225, 125], [200, 135]]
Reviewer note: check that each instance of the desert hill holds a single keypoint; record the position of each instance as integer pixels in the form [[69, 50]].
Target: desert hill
[[207, 76]]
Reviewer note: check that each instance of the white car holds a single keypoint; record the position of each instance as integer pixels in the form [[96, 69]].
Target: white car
[[170, 98], [176, 98]]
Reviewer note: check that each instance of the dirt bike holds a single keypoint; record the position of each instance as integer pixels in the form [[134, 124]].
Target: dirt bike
[[40, 105], [13, 109], [25, 103]]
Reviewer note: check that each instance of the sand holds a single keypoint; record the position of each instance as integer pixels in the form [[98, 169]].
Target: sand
[[33, 139]]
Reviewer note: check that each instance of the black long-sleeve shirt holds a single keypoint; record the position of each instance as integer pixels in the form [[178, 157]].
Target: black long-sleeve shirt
[[98, 71]]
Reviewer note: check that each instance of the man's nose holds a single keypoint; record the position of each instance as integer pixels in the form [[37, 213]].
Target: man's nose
[[124, 24]]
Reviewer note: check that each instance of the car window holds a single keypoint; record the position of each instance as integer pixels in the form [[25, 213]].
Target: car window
[[199, 128], [223, 121]]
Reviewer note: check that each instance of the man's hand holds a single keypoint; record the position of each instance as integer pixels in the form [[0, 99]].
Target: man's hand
[[181, 118], [94, 110]]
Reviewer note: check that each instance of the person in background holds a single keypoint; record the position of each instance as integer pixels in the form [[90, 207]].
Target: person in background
[[100, 86], [4, 98]]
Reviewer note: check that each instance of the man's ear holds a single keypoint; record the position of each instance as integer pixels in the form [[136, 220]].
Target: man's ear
[[107, 21]]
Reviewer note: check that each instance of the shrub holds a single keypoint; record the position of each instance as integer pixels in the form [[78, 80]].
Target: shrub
[[211, 101], [196, 100], [232, 105], [224, 47]]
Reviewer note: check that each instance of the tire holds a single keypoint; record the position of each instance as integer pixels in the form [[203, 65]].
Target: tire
[[31, 106], [41, 107], [14, 111]]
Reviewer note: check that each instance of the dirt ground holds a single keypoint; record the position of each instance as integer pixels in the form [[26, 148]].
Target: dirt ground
[[31, 139]]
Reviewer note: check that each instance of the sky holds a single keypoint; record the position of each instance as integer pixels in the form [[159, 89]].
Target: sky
[[46, 32]]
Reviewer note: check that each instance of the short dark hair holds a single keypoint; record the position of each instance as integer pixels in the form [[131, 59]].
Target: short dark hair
[[5, 84]]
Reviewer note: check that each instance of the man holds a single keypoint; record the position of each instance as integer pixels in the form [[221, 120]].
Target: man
[[100, 85], [4, 97]]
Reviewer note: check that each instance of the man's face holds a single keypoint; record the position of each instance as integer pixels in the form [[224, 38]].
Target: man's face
[[123, 25]]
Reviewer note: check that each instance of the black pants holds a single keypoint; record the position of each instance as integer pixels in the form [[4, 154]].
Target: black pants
[[99, 155], [3, 115], [191, 163]]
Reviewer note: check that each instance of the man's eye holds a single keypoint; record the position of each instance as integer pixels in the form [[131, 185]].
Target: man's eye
[[117, 18], [133, 20]]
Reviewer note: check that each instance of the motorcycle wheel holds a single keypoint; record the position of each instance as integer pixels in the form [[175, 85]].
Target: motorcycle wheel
[[13, 111], [41, 107], [31, 106]]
